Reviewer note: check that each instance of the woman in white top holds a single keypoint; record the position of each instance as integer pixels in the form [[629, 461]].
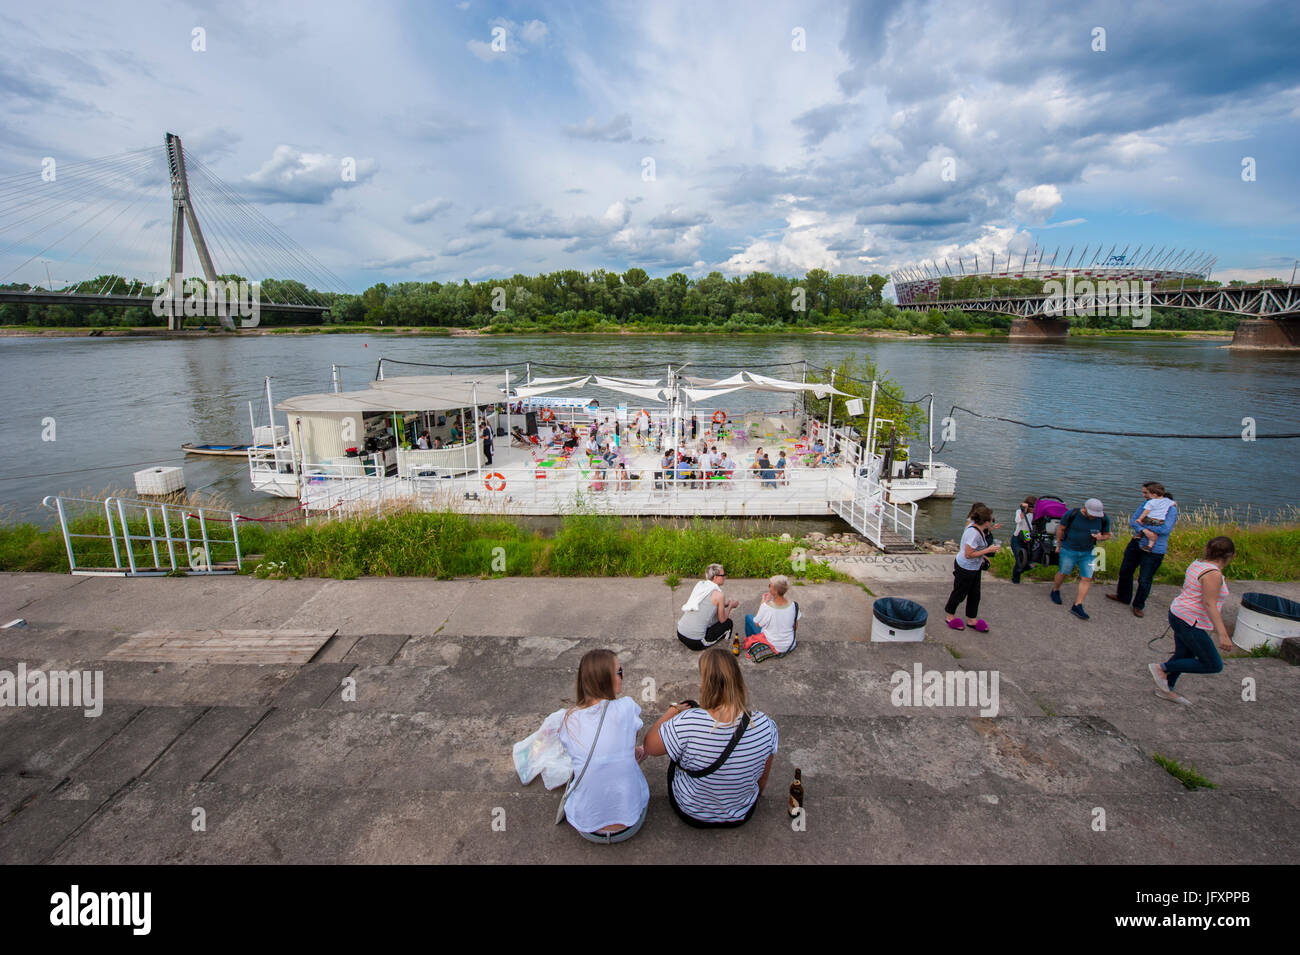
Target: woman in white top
[[705, 789], [608, 804], [777, 618], [1192, 615], [968, 568]]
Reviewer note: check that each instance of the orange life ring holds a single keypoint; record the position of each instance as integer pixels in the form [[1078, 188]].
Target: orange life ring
[[547, 414], [644, 413], [499, 478], [719, 417]]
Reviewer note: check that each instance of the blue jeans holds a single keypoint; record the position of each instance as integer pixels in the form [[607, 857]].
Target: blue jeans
[[1194, 651], [1146, 564], [751, 628]]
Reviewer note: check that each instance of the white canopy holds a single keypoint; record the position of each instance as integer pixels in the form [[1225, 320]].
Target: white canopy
[[537, 389], [703, 394], [548, 381], [645, 382], [752, 381], [649, 394]]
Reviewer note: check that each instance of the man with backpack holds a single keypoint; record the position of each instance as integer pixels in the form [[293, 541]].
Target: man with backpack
[[1079, 531]]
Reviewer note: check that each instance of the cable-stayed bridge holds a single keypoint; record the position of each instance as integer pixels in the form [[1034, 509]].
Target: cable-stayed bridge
[[102, 226]]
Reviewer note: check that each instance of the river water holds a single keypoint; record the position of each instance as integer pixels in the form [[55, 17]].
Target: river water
[[122, 404]]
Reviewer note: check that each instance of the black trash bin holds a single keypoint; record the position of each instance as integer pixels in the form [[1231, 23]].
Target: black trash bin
[[897, 619]]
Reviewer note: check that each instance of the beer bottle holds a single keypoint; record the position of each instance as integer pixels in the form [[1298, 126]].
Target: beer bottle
[[796, 793]]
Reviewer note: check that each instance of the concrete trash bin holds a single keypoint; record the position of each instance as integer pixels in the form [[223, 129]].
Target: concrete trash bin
[[895, 619], [1265, 618]]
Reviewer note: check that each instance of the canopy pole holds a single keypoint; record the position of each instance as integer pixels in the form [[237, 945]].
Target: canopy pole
[[508, 401], [931, 442], [478, 431], [830, 413], [871, 421]]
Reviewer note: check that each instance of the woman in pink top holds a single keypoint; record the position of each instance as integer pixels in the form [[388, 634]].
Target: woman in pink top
[[1192, 615]]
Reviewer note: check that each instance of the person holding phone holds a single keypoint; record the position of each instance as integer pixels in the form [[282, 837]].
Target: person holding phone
[[1077, 534], [720, 751]]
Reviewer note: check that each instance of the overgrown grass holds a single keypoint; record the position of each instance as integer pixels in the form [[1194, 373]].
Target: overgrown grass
[[1187, 775], [446, 545], [1265, 551]]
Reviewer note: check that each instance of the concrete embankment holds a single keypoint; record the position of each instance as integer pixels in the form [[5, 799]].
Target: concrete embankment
[[227, 695]]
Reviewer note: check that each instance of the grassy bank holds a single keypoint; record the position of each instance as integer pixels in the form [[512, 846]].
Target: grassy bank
[[445, 545], [1265, 551]]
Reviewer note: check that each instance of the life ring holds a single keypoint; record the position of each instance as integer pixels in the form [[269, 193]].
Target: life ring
[[547, 414], [719, 417], [643, 414], [499, 478]]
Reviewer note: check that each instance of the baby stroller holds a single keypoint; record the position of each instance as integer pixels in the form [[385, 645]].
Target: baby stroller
[[1041, 546]]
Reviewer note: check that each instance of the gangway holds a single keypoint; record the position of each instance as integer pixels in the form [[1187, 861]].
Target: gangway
[[144, 537], [886, 524]]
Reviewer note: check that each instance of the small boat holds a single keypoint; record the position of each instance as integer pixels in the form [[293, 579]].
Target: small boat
[[226, 450]]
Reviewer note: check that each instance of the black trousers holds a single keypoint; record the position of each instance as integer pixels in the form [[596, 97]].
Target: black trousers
[[965, 586], [1146, 564], [712, 635]]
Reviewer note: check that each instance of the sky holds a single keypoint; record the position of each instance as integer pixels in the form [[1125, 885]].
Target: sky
[[444, 141]]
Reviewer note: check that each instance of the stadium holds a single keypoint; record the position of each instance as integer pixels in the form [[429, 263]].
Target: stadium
[[921, 283]]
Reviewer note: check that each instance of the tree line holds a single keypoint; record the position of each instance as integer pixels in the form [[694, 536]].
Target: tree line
[[572, 300]]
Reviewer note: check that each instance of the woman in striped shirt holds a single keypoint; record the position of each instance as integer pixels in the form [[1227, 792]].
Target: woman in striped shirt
[[708, 786], [1192, 615]]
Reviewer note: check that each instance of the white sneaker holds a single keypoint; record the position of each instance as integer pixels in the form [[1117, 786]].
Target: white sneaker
[[1156, 674]]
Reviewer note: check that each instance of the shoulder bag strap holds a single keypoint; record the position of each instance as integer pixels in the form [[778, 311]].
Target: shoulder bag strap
[[731, 746], [559, 813]]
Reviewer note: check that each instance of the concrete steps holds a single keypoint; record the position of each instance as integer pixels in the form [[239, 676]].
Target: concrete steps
[[418, 767]]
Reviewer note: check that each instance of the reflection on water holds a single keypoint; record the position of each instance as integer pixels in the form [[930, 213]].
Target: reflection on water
[[122, 404]]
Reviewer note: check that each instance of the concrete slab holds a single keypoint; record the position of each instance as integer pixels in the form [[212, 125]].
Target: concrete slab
[[398, 605], [246, 824], [19, 592], [450, 674], [900, 569]]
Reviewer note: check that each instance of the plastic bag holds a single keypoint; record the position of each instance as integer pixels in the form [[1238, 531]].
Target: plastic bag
[[543, 753]]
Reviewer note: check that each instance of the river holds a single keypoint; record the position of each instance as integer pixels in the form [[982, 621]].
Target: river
[[122, 404]]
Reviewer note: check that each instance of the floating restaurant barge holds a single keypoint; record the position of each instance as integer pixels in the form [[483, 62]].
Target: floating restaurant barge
[[351, 452]]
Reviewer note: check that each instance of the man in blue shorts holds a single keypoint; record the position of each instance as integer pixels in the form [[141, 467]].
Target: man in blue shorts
[[1078, 532]]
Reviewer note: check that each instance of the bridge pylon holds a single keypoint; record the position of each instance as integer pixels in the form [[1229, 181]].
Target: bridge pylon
[[183, 214]]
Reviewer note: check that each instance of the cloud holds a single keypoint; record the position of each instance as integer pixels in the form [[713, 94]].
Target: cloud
[[820, 122], [424, 211], [1037, 203], [617, 130], [679, 219], [516, 40], [309, 178]]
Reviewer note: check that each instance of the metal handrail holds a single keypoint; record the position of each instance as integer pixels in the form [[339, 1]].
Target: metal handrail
[[119, 531]]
